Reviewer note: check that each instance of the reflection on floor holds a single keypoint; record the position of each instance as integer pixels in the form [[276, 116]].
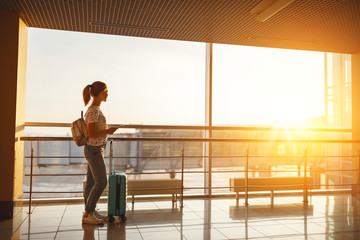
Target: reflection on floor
[[326, 217]]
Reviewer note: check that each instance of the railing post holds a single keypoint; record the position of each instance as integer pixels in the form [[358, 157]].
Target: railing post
[[31, 177], [69, 152], [111, 157], [182, 178], [247, 177], [305, 178]]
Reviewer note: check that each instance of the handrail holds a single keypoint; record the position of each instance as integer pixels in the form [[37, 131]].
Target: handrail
[[188, 188], [209, 140], [141, 126], [187, 172], [204, 156], [173, 139]]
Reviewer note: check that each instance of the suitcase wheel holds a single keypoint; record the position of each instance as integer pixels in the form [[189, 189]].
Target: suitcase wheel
[[123, 218], [111, 219]]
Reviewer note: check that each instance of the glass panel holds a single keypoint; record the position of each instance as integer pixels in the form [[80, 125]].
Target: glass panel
[[139, 159], [329, 65], [264, 86], [150, 81], [327, 163], [339, 89]]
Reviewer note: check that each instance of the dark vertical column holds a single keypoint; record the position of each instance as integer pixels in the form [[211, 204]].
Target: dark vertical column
[[13, 48]]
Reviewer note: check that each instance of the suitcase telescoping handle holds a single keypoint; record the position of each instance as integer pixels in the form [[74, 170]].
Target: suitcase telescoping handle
[[111, 158]]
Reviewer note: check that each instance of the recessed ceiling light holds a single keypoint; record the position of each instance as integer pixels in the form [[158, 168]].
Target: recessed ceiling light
[[267, 8], [128, 26]]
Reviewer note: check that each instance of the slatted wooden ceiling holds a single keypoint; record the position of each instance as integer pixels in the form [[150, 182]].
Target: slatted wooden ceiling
[[320, 25]]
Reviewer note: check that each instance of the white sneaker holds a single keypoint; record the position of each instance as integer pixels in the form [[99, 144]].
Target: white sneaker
[[91, 219], [99, 216]]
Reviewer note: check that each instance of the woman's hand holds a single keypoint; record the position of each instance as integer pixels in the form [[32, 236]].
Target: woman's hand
[[93, 133]]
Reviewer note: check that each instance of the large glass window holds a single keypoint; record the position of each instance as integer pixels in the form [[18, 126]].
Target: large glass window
[[162, 82], [150, 81]]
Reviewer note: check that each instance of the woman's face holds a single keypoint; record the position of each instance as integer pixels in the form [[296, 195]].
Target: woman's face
[[104, 94]]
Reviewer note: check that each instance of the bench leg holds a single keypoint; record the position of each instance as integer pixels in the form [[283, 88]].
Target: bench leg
[[305, 197], [246, 198], [173, 201], [133, 200], [272, 198], [237, 198]]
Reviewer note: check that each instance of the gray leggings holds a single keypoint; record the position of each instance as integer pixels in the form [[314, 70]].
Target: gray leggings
[[96, 176]]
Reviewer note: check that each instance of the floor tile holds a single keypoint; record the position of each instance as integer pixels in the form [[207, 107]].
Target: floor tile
[[228, 224], [327, 217], [70, 227], [262, 222], [42, 222], [191, 222], [66, 221], [36, 230], [320, 237], [145, 205], [76, 233], [174, 235], [193, 226], [240, 232], [157, 229], [275, 230], [47, 214], [119, 236], [48, 208], [34, 236], [292, 237], [310, 228], [195, 234]]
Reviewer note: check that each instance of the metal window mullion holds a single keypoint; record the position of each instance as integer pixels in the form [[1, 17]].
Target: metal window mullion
[[208, 118]]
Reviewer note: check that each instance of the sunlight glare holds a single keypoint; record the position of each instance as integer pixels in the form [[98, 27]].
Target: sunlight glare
[[264, 86]]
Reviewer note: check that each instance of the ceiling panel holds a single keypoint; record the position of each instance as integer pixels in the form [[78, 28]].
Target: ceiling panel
[[321, 25]]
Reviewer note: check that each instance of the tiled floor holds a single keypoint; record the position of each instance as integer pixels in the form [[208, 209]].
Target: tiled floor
[[326, 217]]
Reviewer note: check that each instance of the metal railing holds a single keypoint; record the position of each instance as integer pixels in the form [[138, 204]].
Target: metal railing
[[246, 171], [193, 127]]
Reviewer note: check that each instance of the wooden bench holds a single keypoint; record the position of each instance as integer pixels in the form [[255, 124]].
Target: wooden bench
[[269, 184], [150, 187], [154, 187]]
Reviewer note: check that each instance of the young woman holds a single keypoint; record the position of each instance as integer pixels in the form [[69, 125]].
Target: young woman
[[94, 151]]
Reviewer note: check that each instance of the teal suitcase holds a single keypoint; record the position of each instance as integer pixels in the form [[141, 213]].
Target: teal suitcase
[[117, 196]]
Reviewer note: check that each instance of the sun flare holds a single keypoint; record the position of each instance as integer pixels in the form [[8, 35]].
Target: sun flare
[[268, 86]]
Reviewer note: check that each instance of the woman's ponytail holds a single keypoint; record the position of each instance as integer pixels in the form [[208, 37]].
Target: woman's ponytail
[[93, 90], [86, 94]]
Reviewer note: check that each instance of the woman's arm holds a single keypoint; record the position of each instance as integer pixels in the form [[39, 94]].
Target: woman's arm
[[93, 133]]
